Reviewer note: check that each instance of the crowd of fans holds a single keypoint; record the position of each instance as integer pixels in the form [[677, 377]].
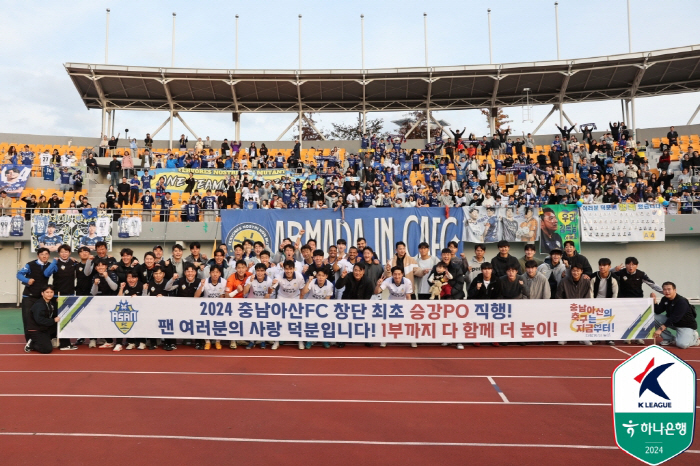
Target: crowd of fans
[[501, 171]]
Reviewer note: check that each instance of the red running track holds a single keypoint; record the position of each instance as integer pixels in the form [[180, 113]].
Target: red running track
[[397, 405]]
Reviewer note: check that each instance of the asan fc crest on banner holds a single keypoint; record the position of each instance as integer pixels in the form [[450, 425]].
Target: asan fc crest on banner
[[124, 316]]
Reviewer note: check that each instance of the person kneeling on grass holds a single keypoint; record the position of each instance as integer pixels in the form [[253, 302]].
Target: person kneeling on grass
[[679, 315], [42, 325]]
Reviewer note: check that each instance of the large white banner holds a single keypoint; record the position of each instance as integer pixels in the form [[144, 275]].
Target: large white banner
[[623, 222], [356, 321], [493, 224]]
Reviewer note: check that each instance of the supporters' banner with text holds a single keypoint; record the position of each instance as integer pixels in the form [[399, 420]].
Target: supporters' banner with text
[[623, 222], [381, 227], [209, 178], [13, 179], [559, 223], [392, 321], [52, 230], [493, 224]]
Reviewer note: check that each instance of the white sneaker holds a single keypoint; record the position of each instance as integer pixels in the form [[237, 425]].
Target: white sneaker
[[640, 341], [383, 345], [414, 345], [54, 342], [93, 344], [233, 345], [275, 345], [666, 342], [562, 342], [117, 348], [445, 344], [131, 346], [587, 343], [142, 346], [460, 346], [301, 345], [106, 345], [28, 346]]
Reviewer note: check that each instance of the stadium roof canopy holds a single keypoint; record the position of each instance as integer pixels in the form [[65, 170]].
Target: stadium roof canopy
[[642, 74]]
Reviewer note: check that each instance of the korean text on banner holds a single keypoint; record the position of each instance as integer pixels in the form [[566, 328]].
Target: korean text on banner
[[356, 321], [623, 222]]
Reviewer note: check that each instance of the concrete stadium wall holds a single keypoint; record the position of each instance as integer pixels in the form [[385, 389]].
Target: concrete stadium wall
[[672, 260]]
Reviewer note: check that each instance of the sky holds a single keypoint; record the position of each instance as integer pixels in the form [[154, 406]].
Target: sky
[[38, 97]]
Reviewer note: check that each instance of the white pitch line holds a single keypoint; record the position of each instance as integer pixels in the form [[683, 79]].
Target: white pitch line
[[278, 374], [498, 390], [621, 351], [293, 400], [317, 442]]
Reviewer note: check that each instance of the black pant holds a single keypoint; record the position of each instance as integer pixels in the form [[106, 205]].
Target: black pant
[[27, 303], [423, 295], [164, 215], [134, 196], [41, 341], [123, 199]]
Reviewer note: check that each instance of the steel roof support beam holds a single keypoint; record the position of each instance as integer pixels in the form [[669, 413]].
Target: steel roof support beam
[[153, 134], [633, 93], [493, 110], [427, 109], [186, 125], [103, 99], [287, 128], [554, 107], [414, 126], [171, 104], [313, 126], [237, 118], [562, 95]]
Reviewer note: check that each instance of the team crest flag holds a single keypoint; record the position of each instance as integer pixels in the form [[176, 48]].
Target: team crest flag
[[653, 398]]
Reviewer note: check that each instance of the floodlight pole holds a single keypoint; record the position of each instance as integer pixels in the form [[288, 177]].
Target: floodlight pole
[[490, 48], [425, 36], [556, 22], [107, 39], [362, 38], [301, 115], [629, 27], [364, 108], [236, 41], [172, 59]]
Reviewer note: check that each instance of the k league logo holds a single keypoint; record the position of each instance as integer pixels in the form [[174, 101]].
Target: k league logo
[[653, 400]]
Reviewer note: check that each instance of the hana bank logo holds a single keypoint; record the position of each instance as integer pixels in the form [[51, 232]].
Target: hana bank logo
[[649, 381]]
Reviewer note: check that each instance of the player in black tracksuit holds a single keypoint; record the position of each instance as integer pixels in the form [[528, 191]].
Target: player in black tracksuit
[[83, 282], [186, 287], [159, 286], [63, 271], [132, 287], [32, 275], [42, 324], [105, 283]]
